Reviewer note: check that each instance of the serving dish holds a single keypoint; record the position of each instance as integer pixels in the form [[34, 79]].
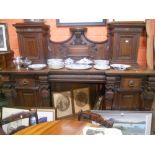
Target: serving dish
[[56, 65], [78, 66], [84, 61], [100, 61], [120, 66], [37, 66], [102, 67]]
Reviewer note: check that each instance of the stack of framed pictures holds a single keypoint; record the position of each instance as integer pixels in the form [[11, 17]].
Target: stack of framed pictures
[[68, 103]]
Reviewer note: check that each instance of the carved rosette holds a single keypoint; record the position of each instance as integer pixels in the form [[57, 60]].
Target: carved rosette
[[112, 83]]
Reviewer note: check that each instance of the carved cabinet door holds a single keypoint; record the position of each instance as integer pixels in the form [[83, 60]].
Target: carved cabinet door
[[127, 101], [27, 97]]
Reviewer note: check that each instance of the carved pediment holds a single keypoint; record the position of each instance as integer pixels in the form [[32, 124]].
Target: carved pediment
[[77, 46]]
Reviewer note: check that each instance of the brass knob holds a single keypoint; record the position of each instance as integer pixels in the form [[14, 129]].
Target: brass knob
[[131, 83], [25, 82]]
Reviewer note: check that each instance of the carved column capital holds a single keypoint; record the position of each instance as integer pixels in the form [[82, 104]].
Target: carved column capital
[[112, 83]]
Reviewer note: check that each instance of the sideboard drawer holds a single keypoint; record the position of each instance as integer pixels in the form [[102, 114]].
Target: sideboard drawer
[[25, 82], [131, 83]]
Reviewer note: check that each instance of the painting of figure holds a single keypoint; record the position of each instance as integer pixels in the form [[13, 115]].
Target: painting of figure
[[81, 99], [62, 103]]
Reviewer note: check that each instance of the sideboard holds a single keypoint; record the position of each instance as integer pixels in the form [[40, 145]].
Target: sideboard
[[124, 90], [131, 89]]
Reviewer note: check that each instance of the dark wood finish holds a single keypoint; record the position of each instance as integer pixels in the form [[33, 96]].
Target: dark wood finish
[[26, 88], [124, 90], [78, 45], [59, 127], [6, 60], [91, 116], [124, 41], [19, 116], [33, 40], [132, 89]]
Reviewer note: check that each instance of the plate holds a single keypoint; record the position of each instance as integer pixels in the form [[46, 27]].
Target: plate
[[120, 66], [84, 61], [105, 67], [78, 66], [37, 66]]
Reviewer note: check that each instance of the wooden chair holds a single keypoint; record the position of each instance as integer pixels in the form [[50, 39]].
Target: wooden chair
[[91, 116], [30, 115]]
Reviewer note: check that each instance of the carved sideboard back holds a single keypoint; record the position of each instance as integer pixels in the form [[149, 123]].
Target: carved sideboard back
[[78, 45]]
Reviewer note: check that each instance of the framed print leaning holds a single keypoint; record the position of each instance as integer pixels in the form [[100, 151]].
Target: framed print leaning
[[81, 99], [45, 114], [129, 122], [63, 103], [3, 38]]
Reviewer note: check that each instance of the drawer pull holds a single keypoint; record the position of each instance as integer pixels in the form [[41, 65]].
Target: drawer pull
[[131, 83], [25, 82]]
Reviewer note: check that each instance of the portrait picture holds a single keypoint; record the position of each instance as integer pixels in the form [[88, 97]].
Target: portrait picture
[[3, 40], [62, 103], [81, 99]]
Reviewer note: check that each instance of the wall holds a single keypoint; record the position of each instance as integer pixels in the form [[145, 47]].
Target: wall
[[95, 33]]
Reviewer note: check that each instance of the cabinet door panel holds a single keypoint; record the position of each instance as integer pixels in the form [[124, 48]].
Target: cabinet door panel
[[27, 98], [127, 101]]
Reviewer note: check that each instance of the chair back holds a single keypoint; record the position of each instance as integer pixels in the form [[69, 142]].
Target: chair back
[[91, 116], [26, 117]]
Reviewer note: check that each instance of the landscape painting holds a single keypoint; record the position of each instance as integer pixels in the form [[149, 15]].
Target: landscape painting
[[129, 122]]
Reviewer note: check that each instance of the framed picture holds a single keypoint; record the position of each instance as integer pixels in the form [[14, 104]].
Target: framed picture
[[3, 38], [63, 103], [7, 111], [45, 114], [81, 22], [81, 99], [129, 122]]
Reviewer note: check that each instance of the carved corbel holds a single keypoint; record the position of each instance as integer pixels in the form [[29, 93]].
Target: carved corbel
[[44, 91], [111, 85], [148, 93], [45, 96]]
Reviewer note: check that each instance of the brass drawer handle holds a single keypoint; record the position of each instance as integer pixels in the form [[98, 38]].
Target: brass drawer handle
[[131, 83], [25, 82]]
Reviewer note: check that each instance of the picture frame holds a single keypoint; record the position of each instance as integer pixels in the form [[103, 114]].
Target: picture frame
[[81, 22], [4, 46], [129, 122], [7, 111], [63, 104], [81, 99], [45, 114]]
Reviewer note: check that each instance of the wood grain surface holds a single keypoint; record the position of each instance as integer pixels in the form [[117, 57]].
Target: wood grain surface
[[58, 127]]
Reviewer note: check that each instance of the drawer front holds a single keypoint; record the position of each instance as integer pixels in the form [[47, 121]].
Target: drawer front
[[4, 78], [25, 82], [131, 83]]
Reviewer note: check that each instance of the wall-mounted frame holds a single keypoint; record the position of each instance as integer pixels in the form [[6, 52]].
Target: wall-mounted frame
[[87, 22], [3, 38]]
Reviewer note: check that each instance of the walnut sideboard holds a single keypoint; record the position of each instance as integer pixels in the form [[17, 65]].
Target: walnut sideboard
[[123, 90]]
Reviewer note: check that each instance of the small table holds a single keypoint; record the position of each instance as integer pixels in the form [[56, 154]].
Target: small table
[[58, 127]]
